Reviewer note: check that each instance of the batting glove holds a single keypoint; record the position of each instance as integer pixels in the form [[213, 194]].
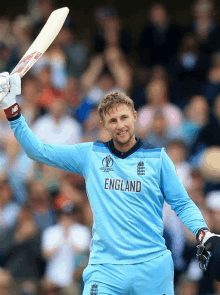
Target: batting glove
[[9, 87], [204, 237], [208, 253]]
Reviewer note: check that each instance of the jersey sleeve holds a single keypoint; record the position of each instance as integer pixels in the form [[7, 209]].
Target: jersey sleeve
[[177, 197], [72, 158]]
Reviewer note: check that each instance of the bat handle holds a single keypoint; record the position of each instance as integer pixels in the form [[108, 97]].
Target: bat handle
[[18, 90], [2, 95]]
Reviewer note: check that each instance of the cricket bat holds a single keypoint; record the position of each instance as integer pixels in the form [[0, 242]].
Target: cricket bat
[[42, 42]]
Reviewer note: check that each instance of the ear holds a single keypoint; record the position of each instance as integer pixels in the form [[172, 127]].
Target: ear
[[102, 124], [135, 116]]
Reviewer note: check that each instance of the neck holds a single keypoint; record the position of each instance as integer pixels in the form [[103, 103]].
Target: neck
[[124, 147]]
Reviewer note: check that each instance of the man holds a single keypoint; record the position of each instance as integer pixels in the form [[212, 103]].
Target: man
[[127, 184], [61, 244]]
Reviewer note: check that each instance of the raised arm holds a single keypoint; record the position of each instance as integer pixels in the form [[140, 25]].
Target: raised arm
[[120, 69], [66, 157]]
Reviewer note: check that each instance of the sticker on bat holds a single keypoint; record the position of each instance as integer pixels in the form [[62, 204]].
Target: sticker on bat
[[28, 62]]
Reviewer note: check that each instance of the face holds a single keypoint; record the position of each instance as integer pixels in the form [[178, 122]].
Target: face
[[158, 14], [177, 153], [157, 92], [57, 108], [119, 122]]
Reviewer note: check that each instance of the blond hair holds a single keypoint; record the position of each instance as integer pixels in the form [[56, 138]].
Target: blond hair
[[111, 99]]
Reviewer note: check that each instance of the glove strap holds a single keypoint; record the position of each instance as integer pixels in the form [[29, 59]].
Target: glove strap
[[12, 110]]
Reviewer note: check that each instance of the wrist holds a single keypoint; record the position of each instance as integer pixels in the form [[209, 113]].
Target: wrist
[[203, 235], [12, 110]]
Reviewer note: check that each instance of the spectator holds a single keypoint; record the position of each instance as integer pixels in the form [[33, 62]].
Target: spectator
[[110, 64], [19, 168], [158, 72], [197, 189], [49, 288], [29, 99], [41, 204], [73, 93], [57, 126], [76, 51], [47, 93], [159, 135], [9, 210], [156, 94], [71, 192], [98, 80], [205, 26], [61, 244], [5, 25], [177, 151], [54, 64], [159, 40], [45, 7], [8, 59], [22, 31], [28, 288], [213, 205], [92, 127], [21, 246], [196, 116], [4, 137], [5, 282], [110, 32], [207, 135], [187, 69], [211, 87]]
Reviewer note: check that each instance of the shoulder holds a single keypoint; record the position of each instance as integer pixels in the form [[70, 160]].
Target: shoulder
[[149, 147], [87, 148], [100, 146], [150, 151]]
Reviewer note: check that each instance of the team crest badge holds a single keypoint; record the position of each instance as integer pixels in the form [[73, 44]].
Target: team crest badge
[[140, 168], [94, 289]]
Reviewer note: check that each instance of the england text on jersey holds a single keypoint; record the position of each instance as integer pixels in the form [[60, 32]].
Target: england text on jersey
[[123, 185]]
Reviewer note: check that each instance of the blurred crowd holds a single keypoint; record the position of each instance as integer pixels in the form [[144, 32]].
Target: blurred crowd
[[172, 73]]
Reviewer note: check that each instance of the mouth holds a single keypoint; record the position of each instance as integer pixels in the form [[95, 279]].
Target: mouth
[[122, 133]]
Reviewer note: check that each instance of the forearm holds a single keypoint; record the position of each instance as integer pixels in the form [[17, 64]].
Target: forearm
[[90, 76], [33, 146], [190, 215], [177, 196], [54, 155], [122, 73]]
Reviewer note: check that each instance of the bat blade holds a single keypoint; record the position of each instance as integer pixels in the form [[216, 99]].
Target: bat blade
[[26, 63], [46, 36]]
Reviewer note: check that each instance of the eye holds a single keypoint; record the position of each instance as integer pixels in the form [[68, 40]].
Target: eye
[[124, 117]]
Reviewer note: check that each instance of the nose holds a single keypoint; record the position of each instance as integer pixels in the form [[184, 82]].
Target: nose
[[120, 124]]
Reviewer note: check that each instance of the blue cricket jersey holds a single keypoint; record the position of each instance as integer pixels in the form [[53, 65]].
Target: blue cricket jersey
[[126, 192]]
